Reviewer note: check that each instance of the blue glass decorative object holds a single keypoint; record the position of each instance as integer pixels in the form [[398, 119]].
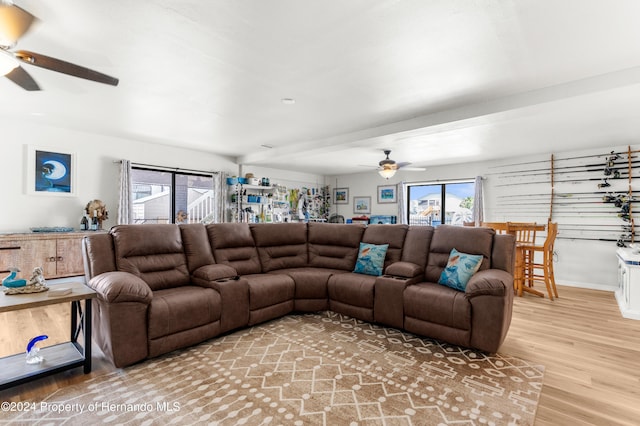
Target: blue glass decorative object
[[11, 281], [32, 350]]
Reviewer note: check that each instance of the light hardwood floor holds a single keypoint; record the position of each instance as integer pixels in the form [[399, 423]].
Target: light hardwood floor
[[590, 353]]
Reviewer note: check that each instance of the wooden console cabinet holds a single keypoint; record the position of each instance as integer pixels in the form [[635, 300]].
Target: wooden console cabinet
[[58, 253]]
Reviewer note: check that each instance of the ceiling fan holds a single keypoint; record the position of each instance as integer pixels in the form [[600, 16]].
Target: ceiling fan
[[14, 23], [389, 167]]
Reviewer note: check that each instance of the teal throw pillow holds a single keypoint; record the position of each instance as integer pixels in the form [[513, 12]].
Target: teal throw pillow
[[371, 259], [460, 269]]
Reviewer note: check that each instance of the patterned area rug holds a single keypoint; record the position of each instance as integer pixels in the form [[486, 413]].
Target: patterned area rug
[[312, 369]]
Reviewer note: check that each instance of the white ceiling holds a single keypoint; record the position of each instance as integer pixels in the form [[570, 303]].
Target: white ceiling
[[438, 82]]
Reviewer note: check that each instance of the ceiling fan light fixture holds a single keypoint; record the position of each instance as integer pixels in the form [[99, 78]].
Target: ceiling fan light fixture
[[7, 63], [387, 172]]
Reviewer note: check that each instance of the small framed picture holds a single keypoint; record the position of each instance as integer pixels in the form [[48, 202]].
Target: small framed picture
[[387, 194], [362, 205], [341, 196], [50, 172]]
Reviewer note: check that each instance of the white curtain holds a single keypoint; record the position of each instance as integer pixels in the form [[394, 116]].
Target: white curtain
[[125, 201], [218, 204], [219, 196], [478, 205], [401, 191]]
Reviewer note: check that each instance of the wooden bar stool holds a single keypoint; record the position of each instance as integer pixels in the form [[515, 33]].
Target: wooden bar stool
[[544, 271], [525, 233]]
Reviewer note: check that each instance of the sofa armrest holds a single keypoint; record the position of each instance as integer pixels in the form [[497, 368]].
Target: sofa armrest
[[404, 269], [119, 287], [120, 316], [233, 290], [207, 275], [490, 293], [490, 282]]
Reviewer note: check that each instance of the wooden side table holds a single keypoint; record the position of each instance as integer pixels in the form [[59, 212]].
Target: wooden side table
[[64, 356]]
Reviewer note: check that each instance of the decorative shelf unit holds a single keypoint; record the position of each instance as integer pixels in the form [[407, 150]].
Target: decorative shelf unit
[[257, 203], [281, 211], [274, 203]]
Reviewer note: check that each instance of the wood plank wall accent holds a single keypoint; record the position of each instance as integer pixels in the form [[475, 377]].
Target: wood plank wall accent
[[590, 195]]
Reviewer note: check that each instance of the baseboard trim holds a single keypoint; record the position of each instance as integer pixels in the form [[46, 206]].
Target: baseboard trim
[[590, 286]]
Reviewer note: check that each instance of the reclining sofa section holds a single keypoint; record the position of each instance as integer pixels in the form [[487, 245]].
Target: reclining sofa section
[[165, 287]]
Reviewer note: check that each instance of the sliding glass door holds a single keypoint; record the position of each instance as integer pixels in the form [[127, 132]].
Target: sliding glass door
[[437, 203], [161, 196]]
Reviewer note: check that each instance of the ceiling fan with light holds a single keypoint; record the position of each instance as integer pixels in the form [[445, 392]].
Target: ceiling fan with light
[[14, 23], [389, 167]]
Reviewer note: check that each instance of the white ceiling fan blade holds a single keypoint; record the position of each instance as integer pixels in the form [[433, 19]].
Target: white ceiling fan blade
[[414, 169]]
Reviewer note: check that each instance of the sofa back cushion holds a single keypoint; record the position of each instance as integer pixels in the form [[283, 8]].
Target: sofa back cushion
[[504, 252], [464, 239], [98, 255], [232, 244], [281, 245], [196, 245], [393, 235], [334, 245], [417, 244], [154, 253]]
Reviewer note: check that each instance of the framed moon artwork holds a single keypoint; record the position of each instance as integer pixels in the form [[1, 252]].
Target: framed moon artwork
[[50, 171]]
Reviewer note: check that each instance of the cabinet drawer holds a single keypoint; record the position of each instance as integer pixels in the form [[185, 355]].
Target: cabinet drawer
[[28, 254], [9, 255]]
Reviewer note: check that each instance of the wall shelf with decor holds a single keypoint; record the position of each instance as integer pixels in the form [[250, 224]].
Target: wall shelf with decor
[[318, 204], [250, 203]]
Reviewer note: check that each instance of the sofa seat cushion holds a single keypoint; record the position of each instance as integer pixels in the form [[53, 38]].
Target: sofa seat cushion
[[182, 308], [438, 304], [269, 289], [352, 289], [311, 283]]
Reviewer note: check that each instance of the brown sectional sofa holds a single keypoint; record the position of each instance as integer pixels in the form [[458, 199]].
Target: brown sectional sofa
[[165, 287]]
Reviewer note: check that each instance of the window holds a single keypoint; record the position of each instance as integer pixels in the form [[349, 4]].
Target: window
[[171, 197], [427, 202]]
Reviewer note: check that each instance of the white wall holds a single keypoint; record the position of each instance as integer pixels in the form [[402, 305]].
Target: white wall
[[366, 185], [584, 263], [289, 179], [590, 264], [98, 173]]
